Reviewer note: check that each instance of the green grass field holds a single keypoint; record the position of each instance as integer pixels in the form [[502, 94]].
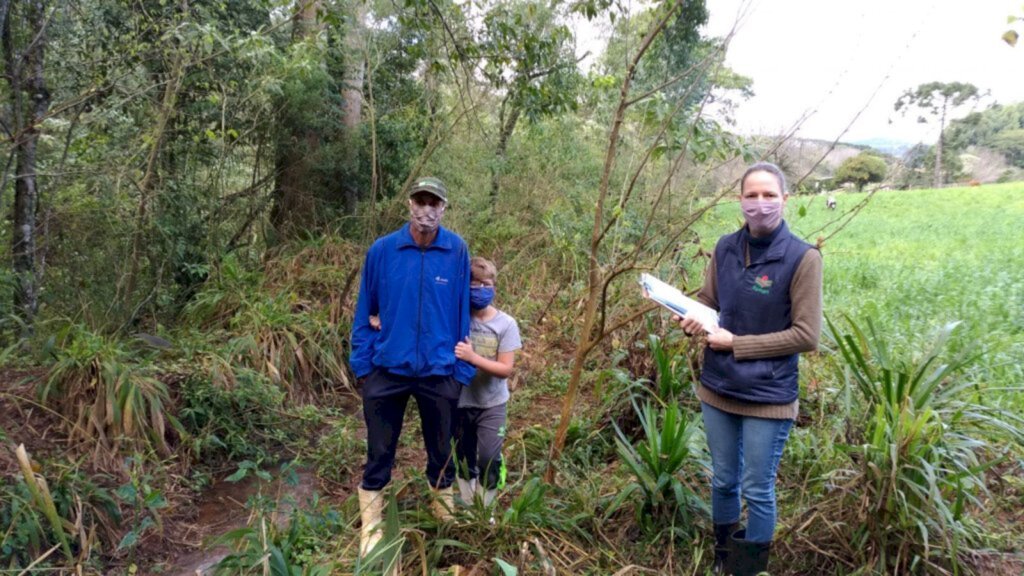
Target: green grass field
[[915, 260]]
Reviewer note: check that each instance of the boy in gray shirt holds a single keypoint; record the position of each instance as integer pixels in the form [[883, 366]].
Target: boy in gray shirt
[[493, 341]]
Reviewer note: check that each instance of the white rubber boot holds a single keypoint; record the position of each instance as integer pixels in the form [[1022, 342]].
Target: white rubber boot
[[371, 502], [466, 489], [487, 497], [443, 504]]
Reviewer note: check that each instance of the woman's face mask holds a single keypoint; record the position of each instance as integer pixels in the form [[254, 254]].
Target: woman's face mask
[[762, 216], [762, 201]]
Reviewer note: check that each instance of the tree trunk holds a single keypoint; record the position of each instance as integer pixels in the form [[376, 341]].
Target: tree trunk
[[507, 127], [353, 83], [168, 106], [355, 66], [293, 209], [938, 147], [593, 330], [25, 76]]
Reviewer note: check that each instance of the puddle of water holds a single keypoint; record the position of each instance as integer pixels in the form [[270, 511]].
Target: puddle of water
[[222, 509]]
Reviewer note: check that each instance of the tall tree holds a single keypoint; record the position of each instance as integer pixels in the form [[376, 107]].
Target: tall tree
[[861, 170], [24, 51], [529, 59], [938, 99], [298, 143]]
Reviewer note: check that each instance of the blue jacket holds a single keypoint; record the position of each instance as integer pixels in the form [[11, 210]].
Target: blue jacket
[[755, 299], [422, 298]]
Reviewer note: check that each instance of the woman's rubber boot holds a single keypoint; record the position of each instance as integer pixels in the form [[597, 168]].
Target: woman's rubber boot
[[722, 534], [371, 502], [746, 558], [443, 503]]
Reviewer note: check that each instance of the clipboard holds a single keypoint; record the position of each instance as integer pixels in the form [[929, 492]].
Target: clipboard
[[678, 303]]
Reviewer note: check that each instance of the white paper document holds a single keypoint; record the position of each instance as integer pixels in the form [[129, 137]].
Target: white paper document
[[670, 297]]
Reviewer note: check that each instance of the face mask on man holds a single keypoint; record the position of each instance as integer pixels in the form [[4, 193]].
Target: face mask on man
[[426, 217], [480, 297], [762, 216]]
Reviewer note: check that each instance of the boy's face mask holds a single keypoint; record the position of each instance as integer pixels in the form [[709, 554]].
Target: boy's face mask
[[480, 297]]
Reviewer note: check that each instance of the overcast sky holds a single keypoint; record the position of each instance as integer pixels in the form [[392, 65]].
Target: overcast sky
[[826, 58]]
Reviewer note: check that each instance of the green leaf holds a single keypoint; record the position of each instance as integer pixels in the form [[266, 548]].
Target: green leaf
[[156, 500], [126, 492], [130, 539], [506, 568], [242, 472], [1010, 37]]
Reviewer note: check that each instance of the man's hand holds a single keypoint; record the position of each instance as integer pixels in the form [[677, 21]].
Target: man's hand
[[375, 323], [464, 351]]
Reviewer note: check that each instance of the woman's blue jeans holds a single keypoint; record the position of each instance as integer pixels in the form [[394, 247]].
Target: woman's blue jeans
[[745, 453]]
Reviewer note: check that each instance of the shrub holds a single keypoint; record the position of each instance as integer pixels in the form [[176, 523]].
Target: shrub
[[107, 397], [918, 456], [232, 412], [658, 463], [861, 169], [340, 453], [277, 334]]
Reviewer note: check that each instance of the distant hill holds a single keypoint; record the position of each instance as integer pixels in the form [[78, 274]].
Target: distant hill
[[892, 147], [801, 159]]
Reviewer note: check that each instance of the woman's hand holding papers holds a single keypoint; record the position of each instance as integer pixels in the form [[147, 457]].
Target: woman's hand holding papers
[[720, 339]]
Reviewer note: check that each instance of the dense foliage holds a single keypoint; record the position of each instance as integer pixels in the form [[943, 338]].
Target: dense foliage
[[204, 180], [861, 170]]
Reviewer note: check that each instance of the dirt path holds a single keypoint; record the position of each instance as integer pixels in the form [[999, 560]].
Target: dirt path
[[223, 508]]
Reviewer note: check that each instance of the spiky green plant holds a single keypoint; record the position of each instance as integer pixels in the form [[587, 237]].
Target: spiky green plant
[[658, 463], [671, 367], [918, 453]]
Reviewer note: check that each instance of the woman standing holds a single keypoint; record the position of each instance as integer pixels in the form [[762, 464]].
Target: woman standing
[[766, 285]]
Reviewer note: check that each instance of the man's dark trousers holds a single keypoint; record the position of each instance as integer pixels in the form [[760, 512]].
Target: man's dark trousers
[[385, 396]]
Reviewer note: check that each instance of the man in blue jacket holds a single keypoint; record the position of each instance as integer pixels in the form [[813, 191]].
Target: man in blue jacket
[[416, 281]]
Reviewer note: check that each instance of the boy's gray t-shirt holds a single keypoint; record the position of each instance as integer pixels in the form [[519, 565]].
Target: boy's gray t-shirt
[[499, 334]]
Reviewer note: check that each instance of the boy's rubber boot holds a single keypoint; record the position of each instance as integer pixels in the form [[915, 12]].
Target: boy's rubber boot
[[722, 548], [371, 502], [443, 503], [746, 558], [487, 497], [466, 489]]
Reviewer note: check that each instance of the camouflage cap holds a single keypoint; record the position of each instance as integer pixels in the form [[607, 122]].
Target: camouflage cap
[[430, 185]]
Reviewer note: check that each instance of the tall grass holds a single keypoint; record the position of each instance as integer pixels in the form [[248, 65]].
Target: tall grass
[[918, 453], [113, 399], [295, 342]]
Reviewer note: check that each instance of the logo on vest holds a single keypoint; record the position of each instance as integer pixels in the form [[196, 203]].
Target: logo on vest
[[762, 285], [440, 280]]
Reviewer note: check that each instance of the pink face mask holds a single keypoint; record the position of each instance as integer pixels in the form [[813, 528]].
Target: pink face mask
[[763, 217]]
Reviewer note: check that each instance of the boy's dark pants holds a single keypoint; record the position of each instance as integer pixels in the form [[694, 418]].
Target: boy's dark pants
[[385, 396], [480, 433]]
